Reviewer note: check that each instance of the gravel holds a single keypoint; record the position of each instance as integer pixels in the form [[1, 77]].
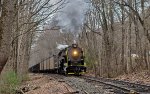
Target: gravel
[[59, 84], [83, 86]]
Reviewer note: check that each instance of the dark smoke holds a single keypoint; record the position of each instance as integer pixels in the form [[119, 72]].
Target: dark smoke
[[71, 17]]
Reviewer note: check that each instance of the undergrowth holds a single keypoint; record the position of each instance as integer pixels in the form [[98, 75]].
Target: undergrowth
[[8, 83]]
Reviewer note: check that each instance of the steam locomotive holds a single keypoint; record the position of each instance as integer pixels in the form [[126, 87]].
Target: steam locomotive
[[69, 60]]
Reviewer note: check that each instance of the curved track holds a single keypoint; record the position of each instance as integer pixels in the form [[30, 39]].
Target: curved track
[[121, 86], [90, 85]]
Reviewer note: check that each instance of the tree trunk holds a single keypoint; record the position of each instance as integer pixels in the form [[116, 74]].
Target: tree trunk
[[123, 39], [5, 32]]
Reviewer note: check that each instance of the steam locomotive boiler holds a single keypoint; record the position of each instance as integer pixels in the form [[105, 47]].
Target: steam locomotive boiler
[[71, 60]]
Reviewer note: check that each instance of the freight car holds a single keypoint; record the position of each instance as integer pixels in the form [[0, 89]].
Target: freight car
[[46, 65], [69, 60]]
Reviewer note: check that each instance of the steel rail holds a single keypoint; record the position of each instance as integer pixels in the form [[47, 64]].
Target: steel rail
[[121, 85], [122, 82]]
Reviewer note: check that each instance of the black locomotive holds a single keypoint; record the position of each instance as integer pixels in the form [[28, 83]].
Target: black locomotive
[[71, 60]]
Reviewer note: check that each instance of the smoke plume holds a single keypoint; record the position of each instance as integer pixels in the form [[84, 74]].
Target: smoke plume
[[71, 16]]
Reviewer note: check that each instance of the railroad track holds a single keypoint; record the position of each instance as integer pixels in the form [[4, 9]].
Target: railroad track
[[122, 86], [60, 78], [115, 86]]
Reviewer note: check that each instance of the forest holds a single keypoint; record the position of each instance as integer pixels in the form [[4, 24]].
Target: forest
[[115, 34]]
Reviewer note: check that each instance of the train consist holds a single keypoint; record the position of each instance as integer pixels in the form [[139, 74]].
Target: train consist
[[69, 60]]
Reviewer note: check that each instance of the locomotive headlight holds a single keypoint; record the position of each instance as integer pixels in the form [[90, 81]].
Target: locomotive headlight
[[75, 53]]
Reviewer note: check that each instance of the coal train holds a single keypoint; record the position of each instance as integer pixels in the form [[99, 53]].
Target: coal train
[[69, 60]]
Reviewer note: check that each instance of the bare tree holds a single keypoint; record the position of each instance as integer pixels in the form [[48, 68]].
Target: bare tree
[[117, 27], [23, 17]]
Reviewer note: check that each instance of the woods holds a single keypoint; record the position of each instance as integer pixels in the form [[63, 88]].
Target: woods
[[119, 36], [115, 34], [19, 21]]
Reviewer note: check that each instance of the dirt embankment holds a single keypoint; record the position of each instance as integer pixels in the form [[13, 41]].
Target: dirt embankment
[[43, 84], [136, 77]]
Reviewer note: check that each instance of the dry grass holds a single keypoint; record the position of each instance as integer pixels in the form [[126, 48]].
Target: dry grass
[[137, 77]]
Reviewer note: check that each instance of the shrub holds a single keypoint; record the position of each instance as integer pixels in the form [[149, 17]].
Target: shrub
[[9, 82]]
